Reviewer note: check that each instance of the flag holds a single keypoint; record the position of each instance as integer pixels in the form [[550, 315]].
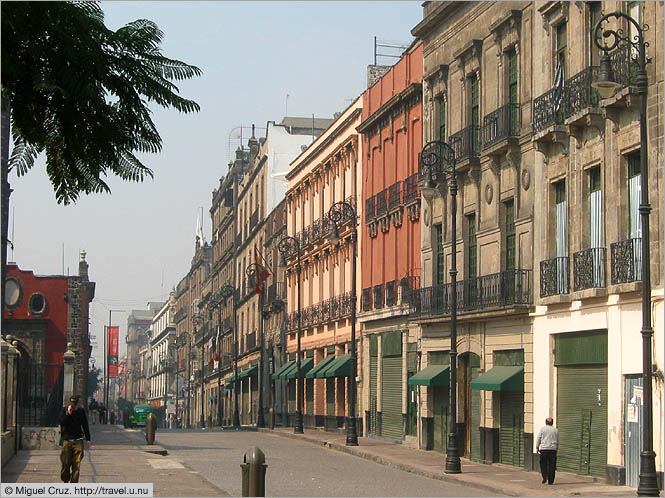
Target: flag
[[261, 272], [112, 353], [557, 95]]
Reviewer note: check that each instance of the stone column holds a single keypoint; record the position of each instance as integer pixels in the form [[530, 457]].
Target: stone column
[[68, 389]]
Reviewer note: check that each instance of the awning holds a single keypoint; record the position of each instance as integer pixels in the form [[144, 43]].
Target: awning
[[341, 367], [305, 366], [248, 371], [500, 379], [229, 381], [324, 363], [283, 369], [433, 375]]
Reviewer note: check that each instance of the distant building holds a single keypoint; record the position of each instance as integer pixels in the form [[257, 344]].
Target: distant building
[[44, 314], [138, 322]]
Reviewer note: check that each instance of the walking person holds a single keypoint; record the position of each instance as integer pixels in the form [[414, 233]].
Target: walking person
[[73, 430], [547, 445]]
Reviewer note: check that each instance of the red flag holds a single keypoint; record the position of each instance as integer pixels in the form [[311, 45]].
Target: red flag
[[261, 272], [112, 350]]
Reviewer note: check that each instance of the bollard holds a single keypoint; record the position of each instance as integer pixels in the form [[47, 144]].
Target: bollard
[[254, 472], [272, 418], [150, 428]]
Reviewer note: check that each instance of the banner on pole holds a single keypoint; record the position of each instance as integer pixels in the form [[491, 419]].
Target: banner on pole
[[112, 356]]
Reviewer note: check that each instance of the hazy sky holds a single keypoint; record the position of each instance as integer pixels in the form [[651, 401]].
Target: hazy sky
[[140, 239]]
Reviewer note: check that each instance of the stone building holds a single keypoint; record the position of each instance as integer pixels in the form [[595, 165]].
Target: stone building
[[477, 92], [138, 322], [391, 129], [45, 316], [587, 242], [326, 172], [161, 366]]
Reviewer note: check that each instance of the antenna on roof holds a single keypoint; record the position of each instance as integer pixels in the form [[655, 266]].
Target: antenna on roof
[[286, 110], [387, 44]]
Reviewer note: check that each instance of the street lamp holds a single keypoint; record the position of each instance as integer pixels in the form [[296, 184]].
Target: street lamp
[[227, 291], [648, 484], [256, 271], [289, 246], [216, 303], [197, 320], [340, 213], [437, 164], [106, 366]]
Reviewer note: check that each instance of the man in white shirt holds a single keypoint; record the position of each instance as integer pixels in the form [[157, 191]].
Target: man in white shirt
[[547, 445]]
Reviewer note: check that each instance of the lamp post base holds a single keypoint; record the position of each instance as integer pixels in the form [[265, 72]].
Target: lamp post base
[[260, 420], [236, 419], [297, 426], [453, 464], [648, 481], [351, 433]]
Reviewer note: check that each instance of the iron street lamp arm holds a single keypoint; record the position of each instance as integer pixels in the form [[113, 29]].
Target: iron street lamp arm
[[618, 38], [437, 160]]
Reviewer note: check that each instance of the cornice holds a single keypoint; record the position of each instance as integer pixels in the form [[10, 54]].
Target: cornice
[[390, 104]]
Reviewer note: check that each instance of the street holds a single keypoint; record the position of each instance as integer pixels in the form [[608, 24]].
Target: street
[[297, 468]]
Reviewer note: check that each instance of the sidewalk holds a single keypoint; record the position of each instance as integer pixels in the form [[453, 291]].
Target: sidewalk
[[496, 478], [116, 455]]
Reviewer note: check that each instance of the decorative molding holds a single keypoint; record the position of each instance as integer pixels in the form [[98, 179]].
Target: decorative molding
[[526, 179], [489, 193], [413, 211]]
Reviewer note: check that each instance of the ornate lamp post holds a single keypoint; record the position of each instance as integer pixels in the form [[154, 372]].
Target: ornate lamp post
[[197, 320], [256, 271], [289, 246], [216, 303], [227, 291], [437, 165], [648, 484], [340, 213]]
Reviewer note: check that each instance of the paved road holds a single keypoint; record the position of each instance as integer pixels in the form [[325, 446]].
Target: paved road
[[297, 468]]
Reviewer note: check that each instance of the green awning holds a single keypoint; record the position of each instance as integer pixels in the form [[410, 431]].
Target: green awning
[[321, 373], [230, 381], [305, 366], [433, 375], [341, 367], [324, 363], [287, 371], [283, 369], [248, 371], [500, 379]]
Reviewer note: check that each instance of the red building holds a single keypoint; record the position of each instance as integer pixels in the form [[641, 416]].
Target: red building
[[44, 314], [391, 131]]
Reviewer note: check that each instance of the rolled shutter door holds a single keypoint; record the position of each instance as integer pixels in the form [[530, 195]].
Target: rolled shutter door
[[373, 368], [511, 432], [391, 396]]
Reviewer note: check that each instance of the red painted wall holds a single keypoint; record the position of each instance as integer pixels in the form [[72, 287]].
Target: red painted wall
[[53, 288], [395, 254]]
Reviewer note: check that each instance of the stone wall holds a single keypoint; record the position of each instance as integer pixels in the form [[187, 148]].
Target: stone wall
[[40, 438], [7, 446]]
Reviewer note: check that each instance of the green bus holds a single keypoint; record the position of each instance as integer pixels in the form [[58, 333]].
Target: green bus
[[139, 415]]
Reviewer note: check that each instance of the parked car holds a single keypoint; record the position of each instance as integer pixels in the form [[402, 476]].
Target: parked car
[[139, 415]]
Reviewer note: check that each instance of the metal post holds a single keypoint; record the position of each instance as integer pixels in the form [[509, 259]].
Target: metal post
[[202, 421], [105, 397], [189, 381], [351, 431], [236, 413], [298, 425], [219, 363], [260, 421], [453, 465]]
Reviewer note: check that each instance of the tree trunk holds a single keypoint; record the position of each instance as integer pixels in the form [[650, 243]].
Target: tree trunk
[[6, 192]]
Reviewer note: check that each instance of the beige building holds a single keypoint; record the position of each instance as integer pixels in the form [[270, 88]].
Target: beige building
[[326, 172], [588, 280], [477, 93]]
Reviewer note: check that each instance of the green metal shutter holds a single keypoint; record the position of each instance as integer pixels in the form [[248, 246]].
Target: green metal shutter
[[292, 395], [412, 391], [309, 396], [511, 433], [391, 395], [474, 417], [582, 419], [373, 369], [330, 396], [441, 402]]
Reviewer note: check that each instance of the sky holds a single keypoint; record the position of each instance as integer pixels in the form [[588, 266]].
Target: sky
[[140, 239]]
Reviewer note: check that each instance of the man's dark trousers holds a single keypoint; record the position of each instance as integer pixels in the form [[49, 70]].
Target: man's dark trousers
[[548, 465]]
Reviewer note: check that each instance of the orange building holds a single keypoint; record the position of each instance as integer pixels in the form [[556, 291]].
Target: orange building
[[391, 131]]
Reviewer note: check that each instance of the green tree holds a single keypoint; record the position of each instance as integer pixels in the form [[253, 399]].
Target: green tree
[[80, 93], [94, 379]]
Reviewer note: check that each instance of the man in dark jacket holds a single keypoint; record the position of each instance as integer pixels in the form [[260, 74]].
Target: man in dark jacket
[[73, 429]]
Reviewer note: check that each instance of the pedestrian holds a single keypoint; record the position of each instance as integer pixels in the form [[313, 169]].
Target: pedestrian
[[73, 430], [101, 410], [547, 444], [93, 406]]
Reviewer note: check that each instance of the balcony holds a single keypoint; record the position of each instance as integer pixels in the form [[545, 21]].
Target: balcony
[[625, 64], [366, 299], [250, 340], [626, 261], [589, 269], [579, 93], [554, 277], [381, 203], [238, 240], [276, 291], [394, 196], [378, 296], [544, 112], [507, 288], [411, 189], [465, 143], [370, 205], [500, 125], [253, 219], [335, 308], [406, 285]]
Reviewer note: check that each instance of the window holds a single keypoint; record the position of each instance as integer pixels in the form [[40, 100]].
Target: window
[[509, 209], [512, 90], [37, 304], [561, 46], [442, 119], [472, 261], [440, 272], [595, 208], [634, 192], [561, 237], [475, 113], [594, 17]]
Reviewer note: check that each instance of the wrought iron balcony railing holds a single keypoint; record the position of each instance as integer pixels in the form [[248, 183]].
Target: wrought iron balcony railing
[[394, 195], [367, 299], [625, 64], [501, 124], [334, 308], [378, 296], [276, 291], [626, 261], [238, 240], [370, 205], [465, 143], [545, 112], [391, 293], [589, 268], [579, 92], [253, 219], [250, 341], [381, 203], [406, 285], [554, 277], [507, 288], [411, 189]]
